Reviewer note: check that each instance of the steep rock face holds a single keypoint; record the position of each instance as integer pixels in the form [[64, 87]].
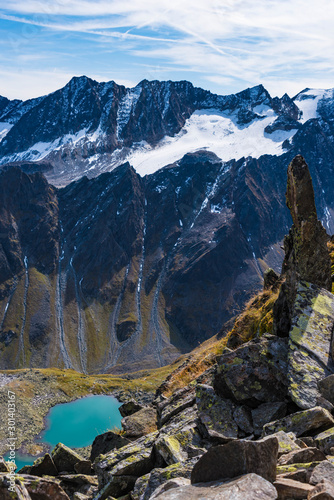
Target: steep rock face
[[125, 271], [306, 253]]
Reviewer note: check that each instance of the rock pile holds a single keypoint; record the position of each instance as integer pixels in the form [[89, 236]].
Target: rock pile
[[257, 425]]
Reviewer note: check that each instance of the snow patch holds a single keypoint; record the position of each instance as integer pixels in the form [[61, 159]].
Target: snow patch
[[4, 129], [214, 131], [126, 105], [307, 101]]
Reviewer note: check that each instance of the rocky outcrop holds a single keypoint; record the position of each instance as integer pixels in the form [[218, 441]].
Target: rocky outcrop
[[306, 254], [310, 344]]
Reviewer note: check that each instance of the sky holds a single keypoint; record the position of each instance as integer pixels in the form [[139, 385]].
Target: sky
[[221, 45]]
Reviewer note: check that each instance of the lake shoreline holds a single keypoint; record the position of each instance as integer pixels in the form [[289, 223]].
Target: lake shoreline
[[39, 390]]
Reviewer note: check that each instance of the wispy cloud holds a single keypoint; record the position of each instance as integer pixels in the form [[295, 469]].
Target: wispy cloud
[[223, 42]]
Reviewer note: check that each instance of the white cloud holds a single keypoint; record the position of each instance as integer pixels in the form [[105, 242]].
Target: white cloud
[[269, 41]]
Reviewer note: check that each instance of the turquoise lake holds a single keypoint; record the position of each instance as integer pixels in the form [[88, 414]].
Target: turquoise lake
[[76, 424]]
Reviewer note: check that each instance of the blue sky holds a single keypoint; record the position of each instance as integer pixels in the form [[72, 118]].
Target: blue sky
[[221, 45]]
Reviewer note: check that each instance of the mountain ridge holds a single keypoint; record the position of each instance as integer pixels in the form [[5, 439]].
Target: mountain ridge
[[88, 127]]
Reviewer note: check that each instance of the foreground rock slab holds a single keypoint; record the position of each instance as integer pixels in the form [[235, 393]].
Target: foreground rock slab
[[106, 442], [64, 458], [237, 458], [255, 372], [323, 491], [310, 344], [289, 489], [248, 487], [301, 422], [140, 423]]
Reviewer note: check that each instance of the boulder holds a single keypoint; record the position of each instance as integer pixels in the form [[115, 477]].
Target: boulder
[[44, 467], [140, 423], [32, 488], [310, 345], [247, 487], [324, 470], [237, 458], [129, 408], [64, 458], [170, 485], [116, 487], [322, 491], [325, 440], [306, 253], [297, 472], [305, 455], [288, 489], [83, 467], [147, 485], [133, 460], [326, 388], [178, 446], [286, 442], [243, 418], [254, 373], [267, 412], [81, 483], [104, 443], [179, 401], [301, 422], [215, 414]]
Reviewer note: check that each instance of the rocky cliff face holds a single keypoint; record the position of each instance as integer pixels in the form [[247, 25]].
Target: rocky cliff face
[[96, 277]]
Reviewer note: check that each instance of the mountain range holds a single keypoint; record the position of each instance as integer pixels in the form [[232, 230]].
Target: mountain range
[[135, 223]]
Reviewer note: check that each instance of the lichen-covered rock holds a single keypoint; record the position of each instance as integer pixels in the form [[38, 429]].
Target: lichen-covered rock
[[326, 388], [83, 467], [247, 487], [306, 254], [243, 418], [116, 487], [267, 412], [215, 414], [170, 485], [286, 442], [301, 422], [305, 455], [236, 458], [81, 483], [310, 343], [298, 472], [134, 460], [64, 458], [140, 423], [179, 401], [31, 488], [129, 408], [179, 446], [44, 467], [255, 372], [146, 485], [104, 443], [325, 440], [170, 449]]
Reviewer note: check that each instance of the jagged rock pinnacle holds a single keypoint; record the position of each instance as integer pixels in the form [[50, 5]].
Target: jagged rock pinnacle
[[306, 254], [300, 194]]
